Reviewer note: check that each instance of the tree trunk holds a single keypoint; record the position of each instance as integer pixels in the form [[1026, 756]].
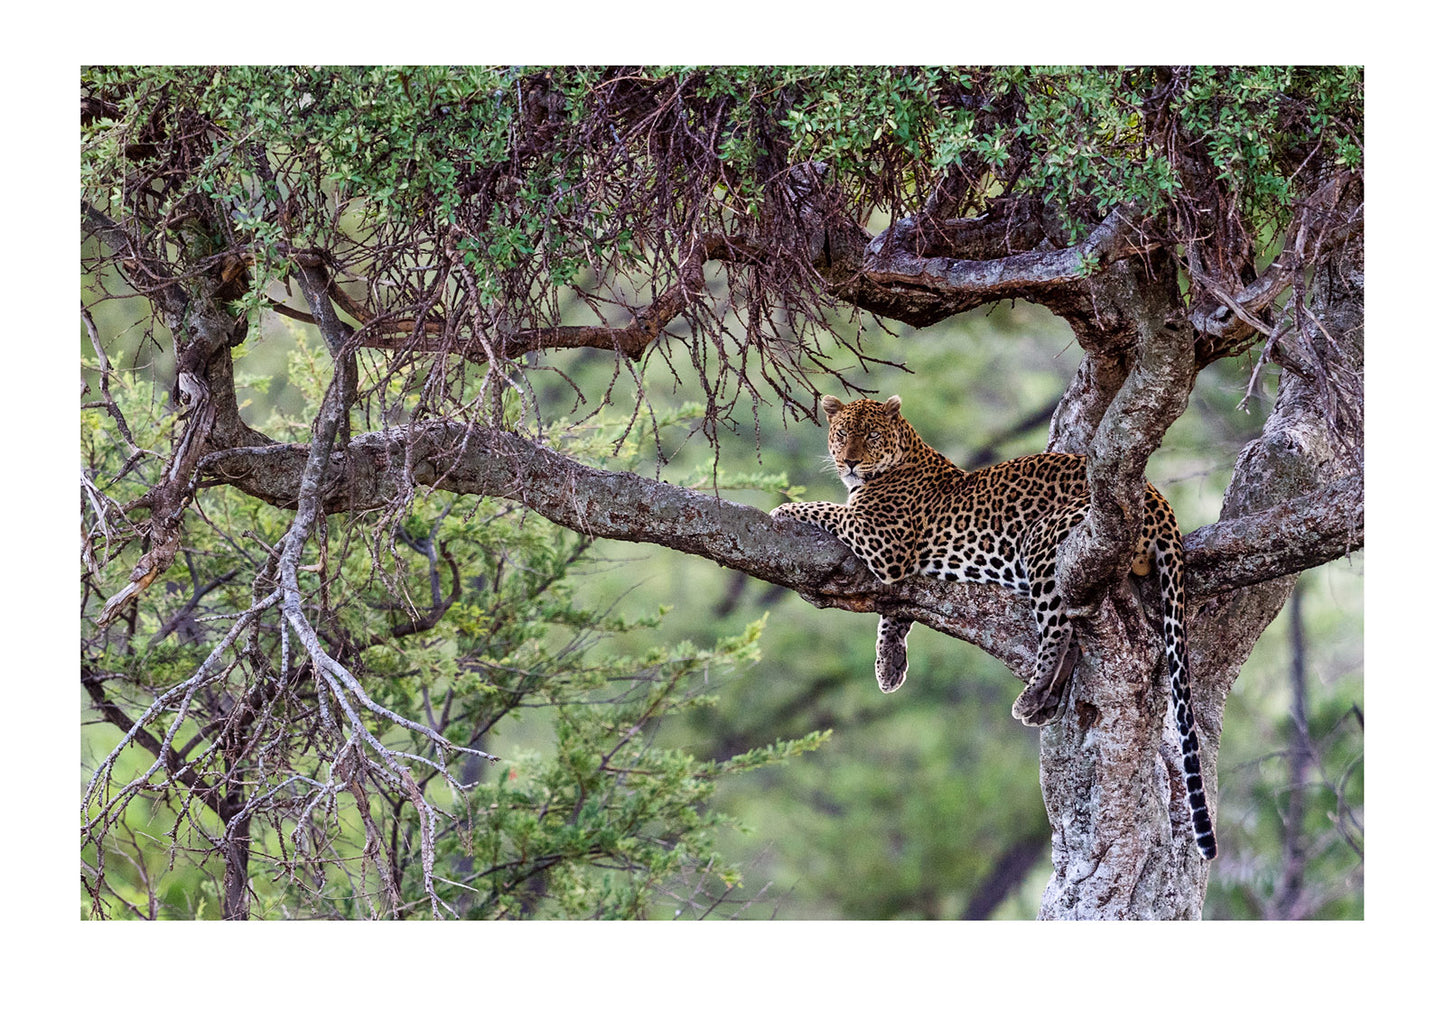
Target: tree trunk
[[1111, 767], [1113, 784]]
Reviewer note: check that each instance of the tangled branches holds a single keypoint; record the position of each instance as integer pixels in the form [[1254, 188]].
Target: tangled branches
[[356, 757]]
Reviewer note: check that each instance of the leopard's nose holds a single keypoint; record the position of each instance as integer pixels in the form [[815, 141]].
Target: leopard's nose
[[851, 464]]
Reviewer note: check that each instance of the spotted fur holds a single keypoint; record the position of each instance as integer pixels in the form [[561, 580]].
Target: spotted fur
[[912, 511]]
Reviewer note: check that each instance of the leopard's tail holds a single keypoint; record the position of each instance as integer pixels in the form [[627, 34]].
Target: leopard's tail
[[1169, 558]]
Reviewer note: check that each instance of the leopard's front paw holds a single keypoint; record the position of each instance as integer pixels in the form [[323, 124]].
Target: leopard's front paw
[[891, 665], [786, 512]]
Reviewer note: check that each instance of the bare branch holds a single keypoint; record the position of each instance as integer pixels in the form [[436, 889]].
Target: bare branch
[[390, 333], [146, 273], [1317, 226]]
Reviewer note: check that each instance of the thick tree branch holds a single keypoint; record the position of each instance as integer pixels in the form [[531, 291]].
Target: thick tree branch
[[1153, 394], [1134, 382], [457, 458], [1278, 541], [891, 280], [979, 281]]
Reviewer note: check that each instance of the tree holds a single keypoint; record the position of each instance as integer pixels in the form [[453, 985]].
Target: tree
[[462, 239]]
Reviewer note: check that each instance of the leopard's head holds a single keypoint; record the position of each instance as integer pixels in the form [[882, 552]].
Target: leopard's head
[[866, 438]]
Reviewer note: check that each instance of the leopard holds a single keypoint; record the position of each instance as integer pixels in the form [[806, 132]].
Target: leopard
[[912, 511]]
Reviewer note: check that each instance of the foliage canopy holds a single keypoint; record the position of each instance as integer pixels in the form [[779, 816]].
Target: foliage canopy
[[530, 186]]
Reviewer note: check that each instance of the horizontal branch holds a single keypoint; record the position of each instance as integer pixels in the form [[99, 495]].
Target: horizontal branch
[[990, 278], [891, 279], [457, 458], [1289, 537]]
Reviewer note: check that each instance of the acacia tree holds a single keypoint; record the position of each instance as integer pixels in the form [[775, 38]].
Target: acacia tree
[[453, 234]]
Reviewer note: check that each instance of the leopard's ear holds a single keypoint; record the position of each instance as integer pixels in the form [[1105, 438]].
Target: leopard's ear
[[831, 405], [892, 405]]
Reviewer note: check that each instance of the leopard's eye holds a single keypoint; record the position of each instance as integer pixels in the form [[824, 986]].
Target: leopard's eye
[[841, 433], [873, 437]]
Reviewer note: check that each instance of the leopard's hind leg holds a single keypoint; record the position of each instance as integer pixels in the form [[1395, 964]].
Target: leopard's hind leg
[[1042, 700]]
